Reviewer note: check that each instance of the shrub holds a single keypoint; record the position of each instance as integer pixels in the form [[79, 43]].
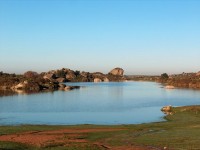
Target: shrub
[[77, 72], [164, 76], [30, 74]]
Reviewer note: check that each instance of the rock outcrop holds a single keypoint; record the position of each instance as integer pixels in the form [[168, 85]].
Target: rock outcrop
[[97, 80], [117, 72], [61, 80], [19, 86], [67, 75], [167, 110], [50, 76], [105, 79], [27, 86], [70, 76], [68, 88], [51, 80], [169, 87], [198, 73]]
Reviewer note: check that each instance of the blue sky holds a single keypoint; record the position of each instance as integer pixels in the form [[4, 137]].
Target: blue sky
[[143, 37]]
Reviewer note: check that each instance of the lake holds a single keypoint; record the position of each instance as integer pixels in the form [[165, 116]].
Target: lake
[[95, 103]]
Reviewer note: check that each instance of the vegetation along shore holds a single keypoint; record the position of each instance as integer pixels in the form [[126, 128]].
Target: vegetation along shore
[[183, 80]]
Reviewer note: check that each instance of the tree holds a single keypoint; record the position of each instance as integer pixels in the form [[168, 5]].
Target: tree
[[77, 72], [164, 76]]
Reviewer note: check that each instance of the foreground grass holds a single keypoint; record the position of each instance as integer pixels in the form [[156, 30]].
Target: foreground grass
[[181, 131]]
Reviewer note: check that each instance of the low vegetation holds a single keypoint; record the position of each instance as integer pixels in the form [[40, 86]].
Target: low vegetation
[[142, 78], [184, 80]]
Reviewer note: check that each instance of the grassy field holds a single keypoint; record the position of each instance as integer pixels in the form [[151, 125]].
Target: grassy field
[[181, 131]]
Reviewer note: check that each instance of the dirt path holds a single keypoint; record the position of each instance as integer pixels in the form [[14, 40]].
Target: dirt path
[[63, 137]]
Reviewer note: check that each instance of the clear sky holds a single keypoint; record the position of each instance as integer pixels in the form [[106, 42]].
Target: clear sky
[[141, 36]]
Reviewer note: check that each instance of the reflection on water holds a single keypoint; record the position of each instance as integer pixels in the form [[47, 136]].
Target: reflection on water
[[20, 92], [95, 103], [116, 92], [7, 93]]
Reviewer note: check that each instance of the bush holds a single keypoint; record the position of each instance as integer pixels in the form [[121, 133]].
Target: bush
[[30, 74], [77, 72], [164, 76]]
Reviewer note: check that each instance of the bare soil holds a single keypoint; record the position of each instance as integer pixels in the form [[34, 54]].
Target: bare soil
[[64, 137]]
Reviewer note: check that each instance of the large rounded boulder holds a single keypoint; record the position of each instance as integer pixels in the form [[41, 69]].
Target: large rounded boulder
[[105, 79], [70, 76], [117, 72], [198, 73], [49, 76], [97, 80]]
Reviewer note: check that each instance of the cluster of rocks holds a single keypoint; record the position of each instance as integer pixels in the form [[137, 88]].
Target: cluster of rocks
[[30, 82], [167, 110], [67, 75], [54, 79]]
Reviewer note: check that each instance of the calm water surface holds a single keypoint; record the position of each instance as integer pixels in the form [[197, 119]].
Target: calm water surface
[[95, 103]]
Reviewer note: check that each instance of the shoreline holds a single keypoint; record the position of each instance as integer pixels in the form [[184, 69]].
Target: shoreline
[[160, 135], [54, 80]]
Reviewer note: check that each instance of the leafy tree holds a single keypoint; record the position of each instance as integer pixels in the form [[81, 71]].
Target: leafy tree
[[77, 72], [164, 76]]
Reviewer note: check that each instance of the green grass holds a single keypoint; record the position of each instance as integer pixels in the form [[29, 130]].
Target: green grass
[[17, 129], [181, 131], [12, 146]]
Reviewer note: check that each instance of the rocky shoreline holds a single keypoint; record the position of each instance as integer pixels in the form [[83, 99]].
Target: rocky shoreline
[[33, 82], [53, 80]]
